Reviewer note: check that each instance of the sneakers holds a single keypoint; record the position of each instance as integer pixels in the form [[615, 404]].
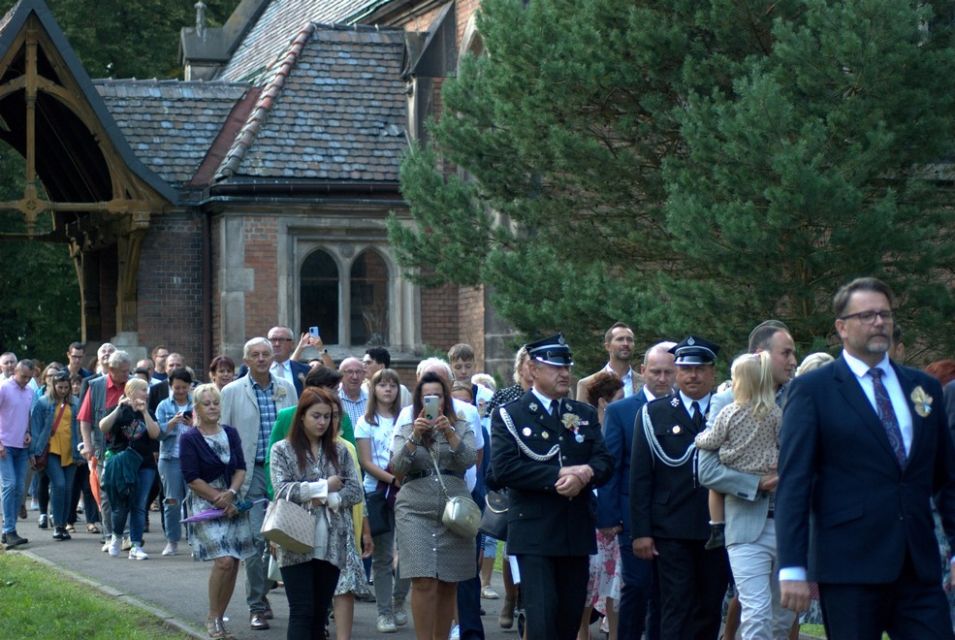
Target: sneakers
[[171, 549], [43, 522], [106, 545], [137, 553], [114, 546], [489, 593], [401, 618], [455, 633], [386, 624], [127, 544]]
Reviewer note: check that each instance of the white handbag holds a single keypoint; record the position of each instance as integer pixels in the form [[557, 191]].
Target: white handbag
[[289, 525]]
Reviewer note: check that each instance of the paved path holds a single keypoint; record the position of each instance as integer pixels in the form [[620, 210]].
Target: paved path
[[175, 588]]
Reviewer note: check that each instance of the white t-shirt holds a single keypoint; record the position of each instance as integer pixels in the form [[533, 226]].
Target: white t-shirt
[[470, 413], [380, 437]]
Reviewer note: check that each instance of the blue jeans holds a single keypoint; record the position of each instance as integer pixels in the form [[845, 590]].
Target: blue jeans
[[61, 488], [174, 488], [13, 474], [133, 507]]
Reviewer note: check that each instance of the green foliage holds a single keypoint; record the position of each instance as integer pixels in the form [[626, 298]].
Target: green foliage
[[36, 602], [688, 166], [40, 314]]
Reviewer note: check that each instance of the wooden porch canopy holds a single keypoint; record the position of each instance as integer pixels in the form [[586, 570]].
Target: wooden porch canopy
[[77, 164]]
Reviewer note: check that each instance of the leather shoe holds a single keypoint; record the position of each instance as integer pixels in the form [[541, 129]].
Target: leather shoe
[[257, 621], [14, 540]]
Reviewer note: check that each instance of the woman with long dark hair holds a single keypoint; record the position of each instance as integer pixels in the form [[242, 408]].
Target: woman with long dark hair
[[432, 556], [309, 467]]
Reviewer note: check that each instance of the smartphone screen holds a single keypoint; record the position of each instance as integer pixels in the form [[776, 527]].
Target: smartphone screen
[[313, 331], [431, 408]]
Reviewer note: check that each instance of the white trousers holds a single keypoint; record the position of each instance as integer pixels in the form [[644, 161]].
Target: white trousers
[[755, 570]]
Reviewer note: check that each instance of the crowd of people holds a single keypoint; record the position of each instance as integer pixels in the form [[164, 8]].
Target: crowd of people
[[652, 497]]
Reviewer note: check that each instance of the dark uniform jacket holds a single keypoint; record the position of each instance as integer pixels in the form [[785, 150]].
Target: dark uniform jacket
[[541, 521], [665, 502]]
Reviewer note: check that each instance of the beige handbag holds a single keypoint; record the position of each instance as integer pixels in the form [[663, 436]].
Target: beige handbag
[[289, 525], [461, 515]]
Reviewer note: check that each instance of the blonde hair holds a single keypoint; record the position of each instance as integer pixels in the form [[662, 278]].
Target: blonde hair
[[753, 382], [813, 361], [203, 390], [485, 380], [135, 384]]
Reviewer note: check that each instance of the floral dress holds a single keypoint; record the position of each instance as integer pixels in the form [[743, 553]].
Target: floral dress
[[221, 537]]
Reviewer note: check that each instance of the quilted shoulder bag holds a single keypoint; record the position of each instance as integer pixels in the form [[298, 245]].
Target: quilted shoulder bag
[[461, 515], [289, 525]]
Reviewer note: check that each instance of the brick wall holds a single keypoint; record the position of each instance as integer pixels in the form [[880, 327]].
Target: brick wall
[[471, 321], [439, 317], [170, 286], [260, 255]]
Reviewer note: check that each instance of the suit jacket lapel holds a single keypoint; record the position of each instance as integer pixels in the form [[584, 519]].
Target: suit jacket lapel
[[853, 394], [908, 385]]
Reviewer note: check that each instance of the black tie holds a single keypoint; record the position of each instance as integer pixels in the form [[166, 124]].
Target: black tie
[[697, 416], [554, 408]]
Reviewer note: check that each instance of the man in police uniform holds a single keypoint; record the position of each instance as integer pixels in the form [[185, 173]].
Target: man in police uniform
[[549, 453], [669, 518]]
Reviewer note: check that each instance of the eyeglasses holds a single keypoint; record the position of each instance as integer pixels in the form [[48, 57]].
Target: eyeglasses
[[868, 317], [280, 339]]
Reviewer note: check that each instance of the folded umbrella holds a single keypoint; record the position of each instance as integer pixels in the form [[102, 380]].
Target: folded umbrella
[[213, 513]]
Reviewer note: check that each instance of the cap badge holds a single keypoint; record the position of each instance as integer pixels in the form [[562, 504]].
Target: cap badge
[[690, 341]]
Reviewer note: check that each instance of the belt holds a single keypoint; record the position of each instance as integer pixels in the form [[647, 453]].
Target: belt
[[430, 472]]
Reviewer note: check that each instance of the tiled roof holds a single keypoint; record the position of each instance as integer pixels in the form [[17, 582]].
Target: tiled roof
[[332, 109], [170, 124], [279, 23]]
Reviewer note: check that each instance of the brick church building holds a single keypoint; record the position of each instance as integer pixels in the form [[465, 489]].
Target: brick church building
[[201, 212]]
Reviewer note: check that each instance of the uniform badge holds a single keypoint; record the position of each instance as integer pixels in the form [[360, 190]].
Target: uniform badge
[[545, 435], [533, 407], [690, 341], [675, 402], [676, 429], [579, 438], [526, 432]]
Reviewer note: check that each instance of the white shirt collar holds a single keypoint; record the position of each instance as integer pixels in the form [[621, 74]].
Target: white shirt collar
[[704, 402], [649, 394], [544, 400], [861, 369]]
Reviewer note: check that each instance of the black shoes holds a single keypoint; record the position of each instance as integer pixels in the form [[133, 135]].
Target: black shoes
[[257, 621], [60, 533], [717, 536], [12, 540]]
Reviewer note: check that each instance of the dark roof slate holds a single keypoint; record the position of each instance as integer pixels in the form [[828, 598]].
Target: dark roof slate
[[332, 109], [276, 27], [170, 124]]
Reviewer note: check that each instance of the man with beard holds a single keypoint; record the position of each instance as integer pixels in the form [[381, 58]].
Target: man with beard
[[864, 448], [618, 342]]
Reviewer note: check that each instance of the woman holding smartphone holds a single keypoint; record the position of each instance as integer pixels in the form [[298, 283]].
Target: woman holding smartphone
[[174, 415], [432, 556]]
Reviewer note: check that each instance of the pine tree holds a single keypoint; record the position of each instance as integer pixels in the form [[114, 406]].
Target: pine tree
[[689, 165]]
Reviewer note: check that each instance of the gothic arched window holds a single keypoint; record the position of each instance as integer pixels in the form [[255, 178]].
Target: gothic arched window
[[319, 295], [368, 306]]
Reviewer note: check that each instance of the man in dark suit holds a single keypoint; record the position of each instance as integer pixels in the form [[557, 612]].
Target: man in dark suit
[[283, 342], [613, 499], [864, 447], [160, 391], [669, 518], [549, 453]]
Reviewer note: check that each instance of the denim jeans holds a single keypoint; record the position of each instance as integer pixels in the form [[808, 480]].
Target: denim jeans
[[256, 567], [61, 488], [174, 488], [13, 473], [133, 507]]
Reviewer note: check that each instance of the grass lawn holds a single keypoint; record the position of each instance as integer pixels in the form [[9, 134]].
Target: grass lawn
[[39, 603]]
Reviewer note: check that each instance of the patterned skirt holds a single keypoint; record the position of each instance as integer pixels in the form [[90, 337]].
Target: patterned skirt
[[352, 576], [219, 538]]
